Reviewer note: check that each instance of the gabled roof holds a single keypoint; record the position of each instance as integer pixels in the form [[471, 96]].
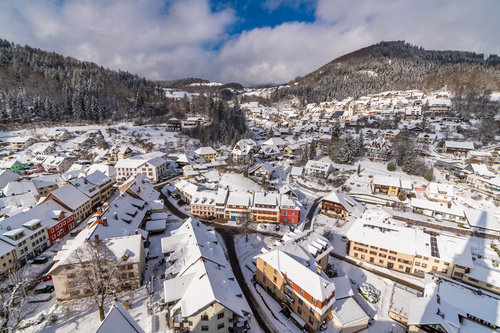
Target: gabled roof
[[119, 319], [350, 204], [70, 196]]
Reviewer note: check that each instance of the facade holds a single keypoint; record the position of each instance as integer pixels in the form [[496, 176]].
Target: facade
[[208, 153], [408, 250], [440, 192], [293, 273], [7, 258], [265, 208], [238, 204], [339, 204], [155, 168], [386, 185], [129, 266], [458, 149], [318, 169], [96, 186], [289, 209], [73, 200], [243, 151], [118, 153], [174, 125], [56, 164]]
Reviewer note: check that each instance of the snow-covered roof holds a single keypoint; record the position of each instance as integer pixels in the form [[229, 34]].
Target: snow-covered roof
[[19, 187], [275, 141], [447, 248], [239, 199], [7, 176], [205, 151], [438, 207], [445, 301], [482, 219], [318, 165], [386, 181], [469, 145], [350, 204], [296, 171], [130, 163], [295, 257], [482, 170], [440, 189], [119, 319], [348, 312], [70, 196]]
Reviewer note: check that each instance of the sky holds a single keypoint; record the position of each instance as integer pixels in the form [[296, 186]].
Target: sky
[[251, 42]]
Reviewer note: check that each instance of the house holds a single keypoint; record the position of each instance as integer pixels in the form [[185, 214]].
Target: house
[[20, 187], [261, 170], [391, 134], [42, 148], [237, 204], [220, 202], [118, 153], [427, 138], [207, 153], [81, 143], [189, 159], [378, 150], [200, 285], [490, 185], [269, 152], [119, 317], [385, 185], [174, 125], [57, 134], [55, 164], [439, 210], [458, 149], [13, 165], [44, 187], [481, 220], [243, 151], [186, 190], [96, 186], [154, 168], [401, 297], [20, 142], [349, 316], [294, 149], [203, 204], [265, 208], [339, 204], [440, 192], [128, 250], [275, 141], [448, 305], [73, 200], [194, 121], [293, 272], [289, 209], [318, 168]]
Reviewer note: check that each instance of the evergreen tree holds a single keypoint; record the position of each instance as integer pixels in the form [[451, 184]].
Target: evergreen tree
[[336, 130]]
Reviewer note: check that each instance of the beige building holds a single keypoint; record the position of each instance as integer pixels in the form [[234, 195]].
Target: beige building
[[7, 258], [417, 252], [125, 272], [293, 273]]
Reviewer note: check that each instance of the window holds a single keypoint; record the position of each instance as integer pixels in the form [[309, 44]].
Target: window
[[301, 302], [204, 317], [444, 270], [417, 263], [355, 254], [380, 261], [299, 310], [204, 328], [424, 265], [362, 256], [264, 279], [311, 320], [220, 315], [264, 271], [275, 279], [434, 268], [301, 291], [131, 274], [401, 266], [220, 326]]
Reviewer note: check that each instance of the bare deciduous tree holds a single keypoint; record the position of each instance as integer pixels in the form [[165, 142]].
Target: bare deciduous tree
[[96, 273], [14, 299]]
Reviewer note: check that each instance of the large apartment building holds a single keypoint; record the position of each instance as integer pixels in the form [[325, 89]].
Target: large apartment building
[[416, 251], [293, 273]]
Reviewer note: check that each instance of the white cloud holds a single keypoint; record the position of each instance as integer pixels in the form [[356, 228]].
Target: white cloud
[[175, 39]]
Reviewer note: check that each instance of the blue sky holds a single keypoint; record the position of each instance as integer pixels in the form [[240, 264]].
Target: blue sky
[[251, 42]]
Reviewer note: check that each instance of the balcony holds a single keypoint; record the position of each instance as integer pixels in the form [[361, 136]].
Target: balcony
[[287, 298], [179, 321]]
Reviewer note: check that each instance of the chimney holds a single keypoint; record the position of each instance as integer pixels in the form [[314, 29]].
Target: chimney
[[105, 221], [116, 216], [136, 232], [96, 238], [139, 190], [319, 270]]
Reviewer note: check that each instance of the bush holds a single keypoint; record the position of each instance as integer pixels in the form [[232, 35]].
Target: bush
[[391, 167]]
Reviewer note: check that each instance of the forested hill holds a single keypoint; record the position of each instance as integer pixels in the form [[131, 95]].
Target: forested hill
[[396, 66], [40, 85]]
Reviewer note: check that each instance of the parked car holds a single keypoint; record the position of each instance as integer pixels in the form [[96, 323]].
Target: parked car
[[45, 290], [39, 261], [47, 277]]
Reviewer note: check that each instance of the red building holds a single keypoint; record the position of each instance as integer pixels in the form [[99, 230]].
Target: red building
[[60, 225], [289, 210]]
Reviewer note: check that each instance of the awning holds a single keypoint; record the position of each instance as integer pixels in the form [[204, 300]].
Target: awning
[[301, 322]]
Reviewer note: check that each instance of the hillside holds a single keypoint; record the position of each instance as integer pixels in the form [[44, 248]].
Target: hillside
[[37, 85], [397, 65]]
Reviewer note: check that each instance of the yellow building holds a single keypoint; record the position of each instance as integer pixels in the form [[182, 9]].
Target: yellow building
[[7, 258], [208, 153]]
